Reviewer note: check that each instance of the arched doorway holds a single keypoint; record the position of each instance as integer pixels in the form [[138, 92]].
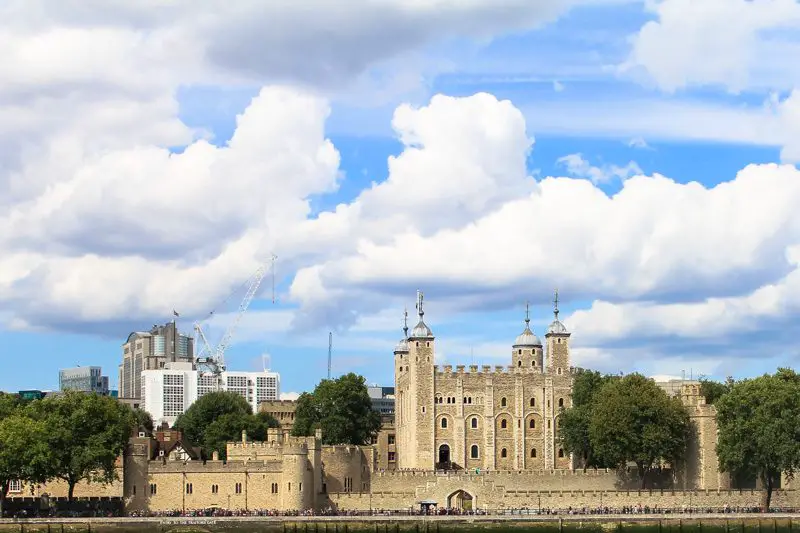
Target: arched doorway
[[444, 454], [462, 500]]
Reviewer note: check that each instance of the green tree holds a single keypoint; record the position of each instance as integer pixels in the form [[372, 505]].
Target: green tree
[[143, 420], [86, 433], [342, 408], [634, 420], [574, 422], [220, 417], [714, 390], [24, 452], [758, 428]]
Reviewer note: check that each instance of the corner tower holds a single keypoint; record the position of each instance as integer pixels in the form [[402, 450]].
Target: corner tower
[[557, 338], [527, 353], [414, 392]]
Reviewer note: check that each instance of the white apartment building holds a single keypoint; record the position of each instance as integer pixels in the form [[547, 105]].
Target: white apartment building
[[168, 392]]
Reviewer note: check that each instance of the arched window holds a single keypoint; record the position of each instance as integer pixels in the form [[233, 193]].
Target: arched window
[[533, 402], [503, 402], [533, 363], [533, 452], [561, 402], [519, 363], [504, 423], [532, 424], [503, 453], [444, 423], [473, 451], [561, 452], [474, 422]]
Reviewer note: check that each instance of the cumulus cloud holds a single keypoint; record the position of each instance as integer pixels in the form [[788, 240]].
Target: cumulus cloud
[[576, 165], [731, 43]]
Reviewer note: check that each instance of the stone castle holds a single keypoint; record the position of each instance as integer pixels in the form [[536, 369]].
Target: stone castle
[[476, 438]]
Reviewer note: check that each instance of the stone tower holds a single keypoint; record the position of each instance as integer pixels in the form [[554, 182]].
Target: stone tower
[[414, 396], [526, 353], [557, 338]]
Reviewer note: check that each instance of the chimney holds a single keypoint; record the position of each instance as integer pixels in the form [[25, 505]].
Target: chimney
[[244, 437]]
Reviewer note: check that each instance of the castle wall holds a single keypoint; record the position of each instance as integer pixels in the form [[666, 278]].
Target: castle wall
[[347, 468], [498, 499]]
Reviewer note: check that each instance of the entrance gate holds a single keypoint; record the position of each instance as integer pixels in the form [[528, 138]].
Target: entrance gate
[[461, 500]]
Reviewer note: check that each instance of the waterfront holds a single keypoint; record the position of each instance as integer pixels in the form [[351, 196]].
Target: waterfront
[[699, 523]]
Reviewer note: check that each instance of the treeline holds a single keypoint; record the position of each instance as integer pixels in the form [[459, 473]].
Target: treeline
[[617, 420], [71, 437]]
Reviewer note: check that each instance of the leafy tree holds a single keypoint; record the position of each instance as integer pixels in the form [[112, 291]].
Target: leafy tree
[[143, 420], [574, 428], [218, 418], [86, 434], [632, 419], [342, 408], [758, 428], [24, 452], [714, 390]]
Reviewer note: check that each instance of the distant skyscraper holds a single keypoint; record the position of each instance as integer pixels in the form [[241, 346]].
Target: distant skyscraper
[[151, 350], [169, 391], [83, 378]]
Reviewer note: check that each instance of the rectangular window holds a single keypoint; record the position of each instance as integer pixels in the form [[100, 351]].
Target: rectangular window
[[391, 439], [392, 457], [153, 489], [15, 485], [238, 488], [188, 488]]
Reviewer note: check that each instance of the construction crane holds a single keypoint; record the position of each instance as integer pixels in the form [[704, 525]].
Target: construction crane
[[212, 360]]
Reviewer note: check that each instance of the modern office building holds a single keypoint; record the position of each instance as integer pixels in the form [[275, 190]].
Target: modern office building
[[83, 378], [382, 399], [151, 350], [169, 391]]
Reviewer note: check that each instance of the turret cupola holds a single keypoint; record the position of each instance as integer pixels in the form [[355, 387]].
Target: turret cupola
[[402, 346], [527, 351], [421, 331]]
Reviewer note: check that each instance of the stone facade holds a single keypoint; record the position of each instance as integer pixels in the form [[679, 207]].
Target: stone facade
[[501, 418], [281, 410]]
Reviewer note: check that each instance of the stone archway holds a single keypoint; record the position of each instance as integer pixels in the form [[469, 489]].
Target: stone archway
[[461, 500], [444, 454]]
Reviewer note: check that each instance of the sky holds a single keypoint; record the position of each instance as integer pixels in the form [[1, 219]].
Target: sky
[[638, 156]]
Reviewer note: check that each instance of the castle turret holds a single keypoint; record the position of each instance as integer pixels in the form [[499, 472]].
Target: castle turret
[[296, 476], [414, 397], [557, 338], [527, 353]]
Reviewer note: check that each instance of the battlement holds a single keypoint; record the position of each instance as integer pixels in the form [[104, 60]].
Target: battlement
[[470, 474], [488, 370], [200, 467], [346, 449]]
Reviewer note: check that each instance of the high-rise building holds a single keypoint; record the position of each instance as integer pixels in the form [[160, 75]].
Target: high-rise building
[[151, 350], [83, 378], [168, 392]]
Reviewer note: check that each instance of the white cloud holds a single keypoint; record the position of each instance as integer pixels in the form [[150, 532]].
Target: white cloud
[[576, 165], [731, 43], [638, 142], [290, 395]]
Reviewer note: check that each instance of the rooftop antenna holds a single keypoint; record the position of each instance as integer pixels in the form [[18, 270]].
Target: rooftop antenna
[[274, 257], [266, 360], [330, 351]]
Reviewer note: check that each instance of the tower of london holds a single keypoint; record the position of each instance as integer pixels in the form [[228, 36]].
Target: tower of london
[[487, 418]]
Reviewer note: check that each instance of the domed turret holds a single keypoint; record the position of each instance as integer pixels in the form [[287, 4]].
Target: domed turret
[[526, 353], [556, 326]]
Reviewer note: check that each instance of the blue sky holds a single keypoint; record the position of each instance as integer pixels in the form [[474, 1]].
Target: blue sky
[[485, 152]]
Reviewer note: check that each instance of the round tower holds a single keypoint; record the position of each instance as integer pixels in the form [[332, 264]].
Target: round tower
[[296, 491], [527, 353]]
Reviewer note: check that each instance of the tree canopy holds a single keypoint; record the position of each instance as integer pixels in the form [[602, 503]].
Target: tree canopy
[[218, 418], [758, 428], [342, 408], [574, 427], [714, 390], [633, 420], [86, 434]]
